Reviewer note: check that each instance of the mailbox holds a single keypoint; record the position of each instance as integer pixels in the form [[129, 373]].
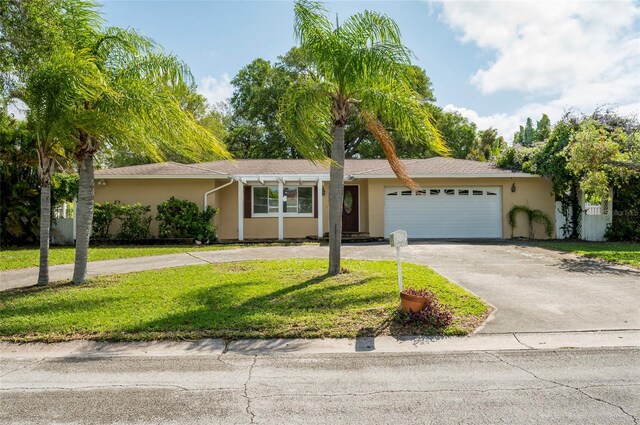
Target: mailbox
[[398, 238]]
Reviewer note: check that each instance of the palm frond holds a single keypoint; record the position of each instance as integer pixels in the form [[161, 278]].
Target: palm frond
[[401, 110], [388, 146], [305, 117]]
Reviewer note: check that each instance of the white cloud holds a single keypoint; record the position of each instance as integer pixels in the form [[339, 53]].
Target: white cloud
[[216, 89], [508, 123], [17, 109], [579, 54]]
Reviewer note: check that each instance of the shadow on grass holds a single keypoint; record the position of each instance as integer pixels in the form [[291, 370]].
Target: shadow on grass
[[292, 311], [321, 306], [596, 266]]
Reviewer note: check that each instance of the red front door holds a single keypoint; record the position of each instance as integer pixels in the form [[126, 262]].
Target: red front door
[[350, 213]]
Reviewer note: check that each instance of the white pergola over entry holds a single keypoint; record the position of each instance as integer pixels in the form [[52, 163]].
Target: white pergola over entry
[[280, 180]]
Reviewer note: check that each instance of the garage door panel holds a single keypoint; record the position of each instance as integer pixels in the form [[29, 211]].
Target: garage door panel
[[466, 213]]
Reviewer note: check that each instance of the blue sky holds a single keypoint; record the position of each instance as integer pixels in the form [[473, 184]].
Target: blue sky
[[494, 62]]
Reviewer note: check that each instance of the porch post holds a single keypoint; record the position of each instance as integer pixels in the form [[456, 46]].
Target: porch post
[[319, 200], [280, 210], [240, 210]]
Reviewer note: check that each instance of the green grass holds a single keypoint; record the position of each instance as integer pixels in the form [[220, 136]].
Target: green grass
[[617, 252], [20, 258], [250, 299]]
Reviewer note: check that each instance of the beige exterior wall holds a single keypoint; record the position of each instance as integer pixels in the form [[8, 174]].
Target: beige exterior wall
[[536, 192], [152, 192]]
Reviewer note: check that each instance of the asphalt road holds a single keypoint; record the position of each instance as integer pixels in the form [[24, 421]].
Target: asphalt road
[[570, 386]]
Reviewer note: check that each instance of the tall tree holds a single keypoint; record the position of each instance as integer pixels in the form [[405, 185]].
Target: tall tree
[[259, 87], [41, 68], [543, 129], [488, 146], [529, 134], [140, 110], [50, 91], [134, 101], [358, 67]]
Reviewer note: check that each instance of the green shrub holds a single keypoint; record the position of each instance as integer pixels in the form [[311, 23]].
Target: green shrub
[[179, 218], [103, 216], [134, 221]]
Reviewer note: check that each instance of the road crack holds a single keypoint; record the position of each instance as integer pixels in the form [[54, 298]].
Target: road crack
[[245, 394], [22, 367], [197, 257], [578, 389], [522, 343]]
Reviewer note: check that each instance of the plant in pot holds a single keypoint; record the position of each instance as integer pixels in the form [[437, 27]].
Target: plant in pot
[[421, 305], [414, 300]]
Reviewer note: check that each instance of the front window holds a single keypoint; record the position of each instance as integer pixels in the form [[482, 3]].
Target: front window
[[296, 200]]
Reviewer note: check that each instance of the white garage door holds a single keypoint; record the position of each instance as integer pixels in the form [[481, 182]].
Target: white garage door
[[444, 212]]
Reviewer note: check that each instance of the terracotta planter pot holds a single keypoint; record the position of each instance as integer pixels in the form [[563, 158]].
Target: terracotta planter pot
[[412, 303]]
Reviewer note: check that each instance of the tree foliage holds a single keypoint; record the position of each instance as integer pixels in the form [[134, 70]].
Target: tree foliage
[[487, 146], [587, 154], [254, 131], [356, 68], [603, 155]]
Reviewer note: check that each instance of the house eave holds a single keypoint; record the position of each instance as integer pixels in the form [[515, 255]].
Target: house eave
[[159, 176], [303, 177]]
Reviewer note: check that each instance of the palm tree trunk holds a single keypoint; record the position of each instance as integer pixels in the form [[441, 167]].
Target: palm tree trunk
[[84, 218], [45, 230], [336, 195]]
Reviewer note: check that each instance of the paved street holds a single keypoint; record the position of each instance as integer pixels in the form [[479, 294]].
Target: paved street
[[570, 386], [532, 289]]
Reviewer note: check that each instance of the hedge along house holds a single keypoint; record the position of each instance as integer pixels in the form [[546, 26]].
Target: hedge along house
[[288, 199]]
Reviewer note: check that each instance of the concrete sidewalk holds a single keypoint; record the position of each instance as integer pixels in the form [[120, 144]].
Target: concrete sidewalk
[[381, 344]]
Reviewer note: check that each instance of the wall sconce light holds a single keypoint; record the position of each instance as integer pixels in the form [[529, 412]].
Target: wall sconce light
[[323, 191], [513, 187], [102, 182]]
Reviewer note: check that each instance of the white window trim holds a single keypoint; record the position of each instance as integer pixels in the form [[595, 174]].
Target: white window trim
[[284, 214]]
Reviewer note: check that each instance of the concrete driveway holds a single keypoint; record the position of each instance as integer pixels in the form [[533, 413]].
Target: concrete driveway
[[532, 289], [538, 290]]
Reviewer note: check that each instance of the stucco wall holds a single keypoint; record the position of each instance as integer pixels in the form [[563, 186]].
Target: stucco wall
[[536, 192], [152, 192]]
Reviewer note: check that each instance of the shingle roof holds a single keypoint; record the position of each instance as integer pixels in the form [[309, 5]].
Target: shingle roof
[[437, 166]]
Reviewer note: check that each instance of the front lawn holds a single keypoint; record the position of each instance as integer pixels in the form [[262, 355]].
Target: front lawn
[[250, 299], [19, 258], [617, 252]]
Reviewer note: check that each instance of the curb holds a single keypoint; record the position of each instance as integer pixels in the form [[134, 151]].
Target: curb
[[381, 344]]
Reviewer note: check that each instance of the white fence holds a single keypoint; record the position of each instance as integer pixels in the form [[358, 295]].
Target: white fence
[[594, 221], [63, 231]]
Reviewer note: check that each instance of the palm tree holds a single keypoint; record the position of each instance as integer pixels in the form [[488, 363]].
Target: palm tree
[[139, 111], [359, 67], [50, 91]]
